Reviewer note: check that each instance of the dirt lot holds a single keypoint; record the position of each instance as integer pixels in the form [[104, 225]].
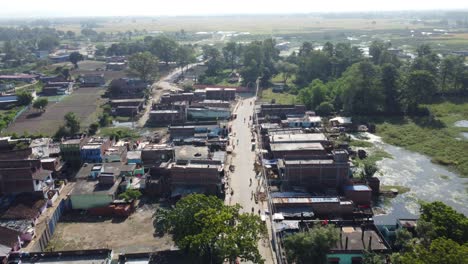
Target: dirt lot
[[134, 234], [84, 102]]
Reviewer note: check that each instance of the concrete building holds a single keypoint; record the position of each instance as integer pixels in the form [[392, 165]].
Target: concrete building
[[70, 150], [201, 178], [94, 148], [359, 194], [302, 122], [169, 98], [92, 80], [225, 94], [98, 256], [167, 117], [290, 150], [280, 110], [154, 154], [17, 176], [315, 173], [128, 88]]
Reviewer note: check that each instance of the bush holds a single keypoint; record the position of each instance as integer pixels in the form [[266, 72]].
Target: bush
[[130, 194], [325, 109]]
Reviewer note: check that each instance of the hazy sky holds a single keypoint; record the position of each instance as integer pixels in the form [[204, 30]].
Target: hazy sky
[[61, 8]]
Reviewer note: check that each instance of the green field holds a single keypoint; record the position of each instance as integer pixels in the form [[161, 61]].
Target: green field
[[437, 138], [280, 98]]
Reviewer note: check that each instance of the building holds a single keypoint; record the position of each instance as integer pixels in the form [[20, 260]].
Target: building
[[193, 177], [70, 150], [168, 98], [92, 80], [208, 113], [280, 110], [128, 88], [302, 122], [341, 121], [28, 78], [116, 153], [355, 242], [359, 194], [127, 107], [57, 88], [134, 157], [299, 138], [17, 176], [154, 154], [295, 205], [212, 103], [116, 66], [8, 101], [290, 150], [95, 256], [167, 117], [224, 94], [97, 185], [315, 173], [94, 148]]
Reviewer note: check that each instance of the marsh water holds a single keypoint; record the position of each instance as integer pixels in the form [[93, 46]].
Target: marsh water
[[426, 181]]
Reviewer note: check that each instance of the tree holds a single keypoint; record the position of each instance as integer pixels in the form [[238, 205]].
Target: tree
[[144, 65], [420, 87], [41, 103], [286, 69], [446, 221], [164, 48], [185, 56], [75, 57], [390, 83], [24, 98], [311, 246], [47, 43], [231, 54], [325, 109], [213, 59], [72, 123], [373, 258], [206, 227], [403, 239], [93, 128], [441, 250]]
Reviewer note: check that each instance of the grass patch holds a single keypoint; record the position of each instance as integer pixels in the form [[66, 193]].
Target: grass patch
[[401, 189], [119, 132], [360, 144], [444, 177], [436, 138], [280, 98]]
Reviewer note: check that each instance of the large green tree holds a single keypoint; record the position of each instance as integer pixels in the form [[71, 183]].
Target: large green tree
[[72, 123], [41, 103], [390, 81], [441, 250], [446, 221], [205, 226], [420, 87], [75, 57], [144, 65], [231, 53], [164, 48], [311, 246], [286, 69]]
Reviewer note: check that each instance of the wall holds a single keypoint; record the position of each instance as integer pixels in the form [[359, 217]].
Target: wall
[[90, 201], [43, 239], [344, 258]]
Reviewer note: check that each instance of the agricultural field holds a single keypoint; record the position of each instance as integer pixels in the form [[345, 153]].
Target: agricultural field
[[84, 102]]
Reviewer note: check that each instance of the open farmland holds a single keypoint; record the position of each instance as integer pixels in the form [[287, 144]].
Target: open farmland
[[84, 102]]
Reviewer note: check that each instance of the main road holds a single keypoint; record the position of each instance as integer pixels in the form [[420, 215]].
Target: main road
[[242, 181]]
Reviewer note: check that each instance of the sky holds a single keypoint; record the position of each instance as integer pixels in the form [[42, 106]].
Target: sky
[[77, 8]]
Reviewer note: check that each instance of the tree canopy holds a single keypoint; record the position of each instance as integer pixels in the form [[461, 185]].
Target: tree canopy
[[311, 246], [144, 65], [207, 228]]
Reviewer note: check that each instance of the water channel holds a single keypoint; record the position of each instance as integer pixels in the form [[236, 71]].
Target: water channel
[[426, 181]]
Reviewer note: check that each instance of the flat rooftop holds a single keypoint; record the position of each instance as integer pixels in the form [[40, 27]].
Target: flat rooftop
[[300, 138], [164, 112], [307, 161], [64, 257], [188, 152], [84, 187], [305, 200], [295, 146], [357, 242]]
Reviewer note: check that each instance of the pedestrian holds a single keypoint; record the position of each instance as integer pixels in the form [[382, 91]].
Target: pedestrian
[[259, 211], [252, 210]]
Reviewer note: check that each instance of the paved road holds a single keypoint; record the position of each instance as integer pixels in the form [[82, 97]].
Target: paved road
[[243, 160], [165, 84]]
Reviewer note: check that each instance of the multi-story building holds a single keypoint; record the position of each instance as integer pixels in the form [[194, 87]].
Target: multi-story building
[[93, 150]]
